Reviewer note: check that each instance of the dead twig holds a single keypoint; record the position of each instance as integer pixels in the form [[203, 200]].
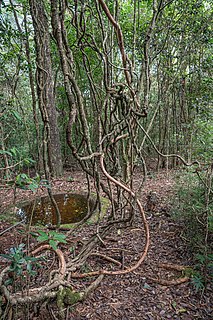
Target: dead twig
[[11, 227], [103, 256]]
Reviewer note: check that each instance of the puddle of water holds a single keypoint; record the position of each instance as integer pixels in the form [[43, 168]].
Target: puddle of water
[[73, 208]]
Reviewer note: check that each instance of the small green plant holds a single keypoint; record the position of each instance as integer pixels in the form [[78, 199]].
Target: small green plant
[[23, 181], [204, 260], [52, 237], [20, 263], [198, 282], [191, 208], [203, 271]]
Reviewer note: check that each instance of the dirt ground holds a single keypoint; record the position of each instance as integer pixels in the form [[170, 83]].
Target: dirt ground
[[134, 295]]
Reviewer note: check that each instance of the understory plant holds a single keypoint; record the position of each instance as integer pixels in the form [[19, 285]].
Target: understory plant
[[203, 271], [53, 238], [193, 206], [21, 265]]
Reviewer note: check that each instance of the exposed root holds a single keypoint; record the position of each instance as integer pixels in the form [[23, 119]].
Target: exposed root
[[52, 288], [31, 297], [57, 282], [92, 286], [170, 266], [173, 282], [146, 228], [62, 262]]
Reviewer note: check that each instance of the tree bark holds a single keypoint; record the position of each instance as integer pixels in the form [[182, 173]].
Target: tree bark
[[45, 86]]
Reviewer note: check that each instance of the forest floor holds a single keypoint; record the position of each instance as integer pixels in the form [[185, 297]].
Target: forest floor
[[134, 295]]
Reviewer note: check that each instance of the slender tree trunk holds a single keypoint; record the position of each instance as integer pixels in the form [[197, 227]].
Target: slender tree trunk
[[33, 94], [31, 80], [3, 147]]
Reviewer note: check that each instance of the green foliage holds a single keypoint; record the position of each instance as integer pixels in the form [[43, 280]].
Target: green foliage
[[191, 208], [52, 237], [23, 181], [198, 282], [13, 153], [203, 271], [18, 130], [20, 263], [203, 142], [205, 261], [179, 46]]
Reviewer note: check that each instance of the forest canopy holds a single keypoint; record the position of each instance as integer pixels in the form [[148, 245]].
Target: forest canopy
[[142, 59]]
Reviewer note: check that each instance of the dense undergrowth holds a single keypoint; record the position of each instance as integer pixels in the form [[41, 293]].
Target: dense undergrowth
[[193, 207]]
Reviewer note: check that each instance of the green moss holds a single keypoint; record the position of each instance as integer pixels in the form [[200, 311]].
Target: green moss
[[188, 272], [72, 297], [67, 225], [60, 298], [105, 203], [68, 297]]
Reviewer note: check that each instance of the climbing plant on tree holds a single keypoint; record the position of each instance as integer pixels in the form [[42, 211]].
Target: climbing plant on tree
[[117, 83]]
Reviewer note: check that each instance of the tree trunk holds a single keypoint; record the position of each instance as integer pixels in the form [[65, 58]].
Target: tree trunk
[[45, 86]]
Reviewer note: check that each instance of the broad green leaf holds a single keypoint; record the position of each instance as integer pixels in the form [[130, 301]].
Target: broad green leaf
[[53, 244], [43, 236]]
